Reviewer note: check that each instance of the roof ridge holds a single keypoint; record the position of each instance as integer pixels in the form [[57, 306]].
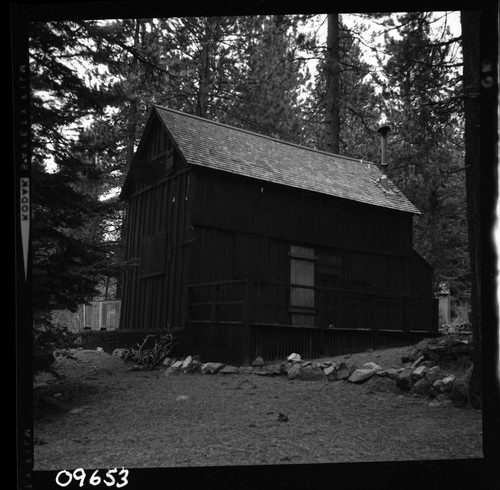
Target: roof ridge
[[277, 140]]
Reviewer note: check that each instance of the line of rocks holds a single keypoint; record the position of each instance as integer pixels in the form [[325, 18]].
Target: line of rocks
[[421, 373]]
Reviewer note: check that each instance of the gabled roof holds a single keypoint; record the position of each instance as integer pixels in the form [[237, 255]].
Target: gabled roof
[[217, 146]]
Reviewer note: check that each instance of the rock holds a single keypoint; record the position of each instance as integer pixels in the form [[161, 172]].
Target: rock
[[361, 375], [433, 373], [417, 362], [294, 371], [460, 394], [194, 367], [229, 370], [246, 370], [448, 383], [431, 392], [393, 373], [177, 365], [294, 357], [328, 370], [167, 361], [120, 353], [211, 367], [342, 371], [100, 349], [327, 364], [437, 385], [371, 365], [274, 370], [333, 376], [186, 363], [405, 379], [419, 372], [421, 386], [311, 373], [414, 354], [378, 384], [258, 361], [172, 370], [260, 372]]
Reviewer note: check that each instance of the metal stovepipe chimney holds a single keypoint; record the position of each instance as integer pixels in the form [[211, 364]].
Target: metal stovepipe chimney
[[383, 130]]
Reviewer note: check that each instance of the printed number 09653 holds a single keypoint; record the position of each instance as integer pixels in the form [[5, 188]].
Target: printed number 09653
[[79, 475]]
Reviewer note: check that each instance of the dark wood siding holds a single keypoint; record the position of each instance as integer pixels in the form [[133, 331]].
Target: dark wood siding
[[245, 229], [157, 253], [261, 209]]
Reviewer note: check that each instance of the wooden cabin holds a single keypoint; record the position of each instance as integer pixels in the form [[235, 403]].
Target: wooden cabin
[[246, 245]]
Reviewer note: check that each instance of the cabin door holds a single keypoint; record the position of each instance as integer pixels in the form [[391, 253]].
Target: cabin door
[[302, 295]]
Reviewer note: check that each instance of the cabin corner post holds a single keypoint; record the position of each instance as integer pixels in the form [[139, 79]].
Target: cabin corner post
[[248, 307]]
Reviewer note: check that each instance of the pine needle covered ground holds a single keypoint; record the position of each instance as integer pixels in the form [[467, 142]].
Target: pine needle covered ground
[[102, 414]]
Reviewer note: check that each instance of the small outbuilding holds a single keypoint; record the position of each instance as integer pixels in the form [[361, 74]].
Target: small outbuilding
[[246, 246]]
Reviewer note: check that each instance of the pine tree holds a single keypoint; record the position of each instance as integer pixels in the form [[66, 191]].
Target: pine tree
[[67, 260], [426, 146], [268, 91]]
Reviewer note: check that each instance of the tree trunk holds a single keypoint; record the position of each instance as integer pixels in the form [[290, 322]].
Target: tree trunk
[[204, 73], [333, 84], [471, 72]]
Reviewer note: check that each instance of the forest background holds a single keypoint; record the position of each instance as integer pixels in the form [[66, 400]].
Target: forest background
[[323, 81]]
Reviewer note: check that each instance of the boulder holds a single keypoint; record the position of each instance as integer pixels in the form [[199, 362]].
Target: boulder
[[294, 371], [194, 367], [417, 362], [294, 357], [361, 375], [433, 373], [437, 385], [448, 383], [393, 373], [421, 386], [168, 361], [258, 361], [405, 379], [343, 371], [172, 370], [371, 365], [229, 370], [378, 384], [329, 369], [311, 373], [211, 367], [120, 353], [419, 372], [186, 363], [333, 376], [245, 370]]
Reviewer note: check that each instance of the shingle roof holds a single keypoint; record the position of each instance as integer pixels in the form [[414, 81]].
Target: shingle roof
[[218, 146]]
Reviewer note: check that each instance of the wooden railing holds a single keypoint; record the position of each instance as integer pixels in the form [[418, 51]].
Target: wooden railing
[[248, 302]]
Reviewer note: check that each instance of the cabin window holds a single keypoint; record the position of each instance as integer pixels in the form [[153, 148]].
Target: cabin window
[[163, 165], [302, 294], [154, 255]]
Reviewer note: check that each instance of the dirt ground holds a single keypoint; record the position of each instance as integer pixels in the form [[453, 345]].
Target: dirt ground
[[102, 414]]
